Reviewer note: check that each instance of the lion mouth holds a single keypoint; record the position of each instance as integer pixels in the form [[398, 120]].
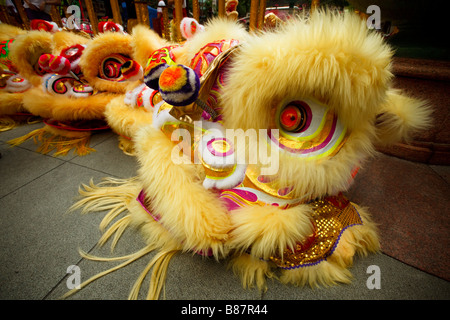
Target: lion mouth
[[67, 85]]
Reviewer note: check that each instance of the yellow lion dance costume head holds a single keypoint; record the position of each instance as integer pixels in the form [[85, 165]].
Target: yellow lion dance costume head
[[312, 99], [80, 76]]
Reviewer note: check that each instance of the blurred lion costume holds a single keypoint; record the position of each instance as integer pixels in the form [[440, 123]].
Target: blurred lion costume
[[81, 76], [316, 93], [21, 48], [12, 84]]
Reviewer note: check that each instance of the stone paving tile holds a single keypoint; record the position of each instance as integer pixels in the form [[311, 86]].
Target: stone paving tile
[[39, 240]]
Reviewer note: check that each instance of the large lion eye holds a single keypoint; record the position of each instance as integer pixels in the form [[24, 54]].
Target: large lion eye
[[61, 85], [293, 117], [307, 129], [56, 84], [109, 68]]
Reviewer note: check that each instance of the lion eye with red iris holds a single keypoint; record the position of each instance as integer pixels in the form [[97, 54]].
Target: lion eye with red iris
[[110, 67], [293, 117], [307, 129]]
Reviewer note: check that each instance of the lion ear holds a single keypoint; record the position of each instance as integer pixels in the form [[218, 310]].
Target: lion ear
[[25, 53], [64, 39], [400, 117]]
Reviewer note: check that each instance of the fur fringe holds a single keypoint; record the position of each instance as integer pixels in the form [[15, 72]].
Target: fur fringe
[[118, 196], [129, 259], [9, 122], [160, 265], [252, 271], [60, 144], [401, 117]]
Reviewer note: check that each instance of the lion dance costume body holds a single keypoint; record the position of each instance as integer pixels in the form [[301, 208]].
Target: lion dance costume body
[[316, 94]]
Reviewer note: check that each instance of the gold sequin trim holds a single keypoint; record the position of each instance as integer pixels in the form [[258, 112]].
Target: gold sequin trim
[[332, 215]]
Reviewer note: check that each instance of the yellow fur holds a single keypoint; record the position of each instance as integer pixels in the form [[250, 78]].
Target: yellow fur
[[64, 39], [401, 116], [120, 195], [269, 230], [195, 216], [335, 60], [60, 141], [252, 271], [338, 62], [26, 51]]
